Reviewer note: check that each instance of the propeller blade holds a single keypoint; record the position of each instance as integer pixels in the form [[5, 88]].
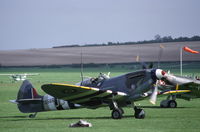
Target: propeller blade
[[153, 97]]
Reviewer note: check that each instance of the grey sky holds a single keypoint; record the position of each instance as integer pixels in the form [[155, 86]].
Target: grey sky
[[28, 24]]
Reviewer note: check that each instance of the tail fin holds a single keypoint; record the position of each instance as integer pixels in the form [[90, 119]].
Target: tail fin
[[27, 91], [28, 99]]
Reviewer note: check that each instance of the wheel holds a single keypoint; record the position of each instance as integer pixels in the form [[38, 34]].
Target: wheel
[[162, 106], [164, 103], [117, 114], [172, 104], [31, 116], [139, 113]]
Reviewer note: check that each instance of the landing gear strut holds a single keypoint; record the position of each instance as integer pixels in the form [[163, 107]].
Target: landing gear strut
[[32, 115], [169, 103], [117, 112]]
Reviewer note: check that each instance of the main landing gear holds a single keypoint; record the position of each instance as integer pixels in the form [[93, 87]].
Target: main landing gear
[[117, 112], [170, 102], [32, 115], [139, 113]]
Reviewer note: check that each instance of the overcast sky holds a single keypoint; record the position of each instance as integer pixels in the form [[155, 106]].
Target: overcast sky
[[26, 24]]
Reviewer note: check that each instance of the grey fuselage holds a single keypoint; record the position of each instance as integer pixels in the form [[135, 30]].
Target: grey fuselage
[[134, 84], [178, 80]]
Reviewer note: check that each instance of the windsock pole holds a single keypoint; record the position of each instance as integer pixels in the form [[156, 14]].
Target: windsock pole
[[181, 61]]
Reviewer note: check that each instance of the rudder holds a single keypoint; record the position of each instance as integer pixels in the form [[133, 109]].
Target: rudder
[[27, 91]]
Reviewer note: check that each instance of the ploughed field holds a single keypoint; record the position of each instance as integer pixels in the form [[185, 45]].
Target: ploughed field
[[99, 54]]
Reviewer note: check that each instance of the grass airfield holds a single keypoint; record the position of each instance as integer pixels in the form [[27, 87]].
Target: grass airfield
[[184, 118]]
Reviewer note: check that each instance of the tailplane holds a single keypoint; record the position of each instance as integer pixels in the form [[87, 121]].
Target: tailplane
[[29, 101]]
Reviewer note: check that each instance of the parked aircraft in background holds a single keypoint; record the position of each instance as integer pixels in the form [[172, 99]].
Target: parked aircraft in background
[[19, 77], [172, 84]]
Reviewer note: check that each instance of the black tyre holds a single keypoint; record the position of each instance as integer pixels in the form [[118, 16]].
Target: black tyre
[[139, 114], [31, 116], [117, 114], [162, 106], [172, 104]]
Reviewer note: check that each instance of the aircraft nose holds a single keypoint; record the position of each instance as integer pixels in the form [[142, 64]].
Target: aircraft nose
[[160, 73], [157, 74]]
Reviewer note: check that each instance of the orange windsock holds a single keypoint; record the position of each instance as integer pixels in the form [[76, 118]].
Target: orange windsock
[[190, 50]]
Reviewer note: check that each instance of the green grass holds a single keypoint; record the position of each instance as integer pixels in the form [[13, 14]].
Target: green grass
[[184, 118]]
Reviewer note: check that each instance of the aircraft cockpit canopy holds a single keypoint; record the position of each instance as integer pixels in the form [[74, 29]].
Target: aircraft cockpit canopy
[[95, 82]]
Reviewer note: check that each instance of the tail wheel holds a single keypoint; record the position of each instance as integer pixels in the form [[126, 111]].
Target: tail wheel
[[32, 115]]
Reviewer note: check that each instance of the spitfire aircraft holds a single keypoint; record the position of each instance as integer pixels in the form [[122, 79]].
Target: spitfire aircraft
[[19, 77], [178, 87], [92, 93]]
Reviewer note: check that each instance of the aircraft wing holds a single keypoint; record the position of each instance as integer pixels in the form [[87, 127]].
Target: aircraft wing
[[30, 74], [175, 92], [191, 88], [86, 96], [6, 74]]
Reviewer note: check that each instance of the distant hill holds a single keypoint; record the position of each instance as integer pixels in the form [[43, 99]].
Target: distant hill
[[157, 39]]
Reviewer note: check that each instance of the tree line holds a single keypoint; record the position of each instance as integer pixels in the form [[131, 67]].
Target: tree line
[[157, 39]]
